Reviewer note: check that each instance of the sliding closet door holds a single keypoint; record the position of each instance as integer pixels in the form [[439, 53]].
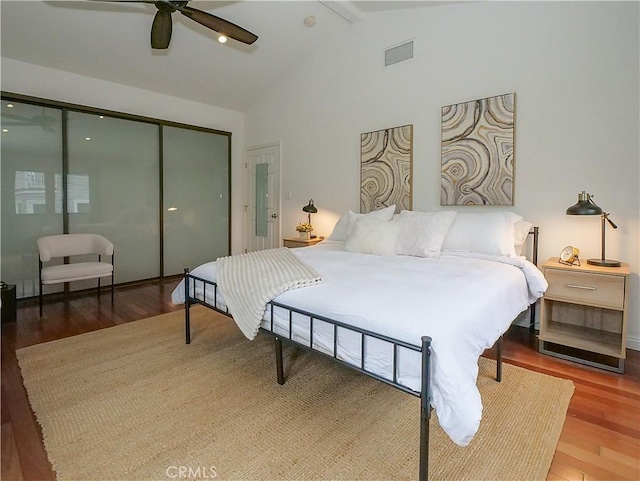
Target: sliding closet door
[[160, 193], [113, 179], [31, 160], [196, 172]]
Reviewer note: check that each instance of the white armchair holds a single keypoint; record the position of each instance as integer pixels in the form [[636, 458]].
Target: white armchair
[[69, 245]]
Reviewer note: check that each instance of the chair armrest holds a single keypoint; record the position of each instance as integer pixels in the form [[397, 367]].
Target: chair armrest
[[43, 249], [103, 246]]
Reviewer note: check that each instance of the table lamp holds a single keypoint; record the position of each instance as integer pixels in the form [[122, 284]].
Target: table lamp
[[586, 206], [310, 209]]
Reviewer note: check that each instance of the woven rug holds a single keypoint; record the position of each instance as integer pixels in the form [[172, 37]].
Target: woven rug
[[133, 402]]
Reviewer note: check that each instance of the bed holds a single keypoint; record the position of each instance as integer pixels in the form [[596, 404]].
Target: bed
[[416, 322]]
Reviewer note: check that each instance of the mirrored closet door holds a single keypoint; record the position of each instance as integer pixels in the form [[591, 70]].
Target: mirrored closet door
[[112, 189], [160, 191], [196, 198], [31, 169]]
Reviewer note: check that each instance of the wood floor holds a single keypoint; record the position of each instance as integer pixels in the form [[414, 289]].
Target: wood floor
[[600, 439]]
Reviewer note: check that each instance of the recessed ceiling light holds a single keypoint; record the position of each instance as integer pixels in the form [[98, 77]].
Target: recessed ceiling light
[[5, 130], [87, 138], [171, 209], [222, 39], [310, 21], [101, 116], [9, 106]]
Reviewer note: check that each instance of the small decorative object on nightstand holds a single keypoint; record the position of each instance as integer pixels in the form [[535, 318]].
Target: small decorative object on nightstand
[[293, 242], [570, 255], [584, 314], [304, 230]]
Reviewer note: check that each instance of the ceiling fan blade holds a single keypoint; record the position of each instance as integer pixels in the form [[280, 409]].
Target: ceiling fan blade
[[161, 30], [16, 117], [219, 25]]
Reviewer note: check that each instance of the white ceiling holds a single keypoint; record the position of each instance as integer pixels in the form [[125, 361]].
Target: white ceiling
[[110, 41]]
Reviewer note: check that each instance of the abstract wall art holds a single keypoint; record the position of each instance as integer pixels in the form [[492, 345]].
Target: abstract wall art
[[478, 152], [386, 158]]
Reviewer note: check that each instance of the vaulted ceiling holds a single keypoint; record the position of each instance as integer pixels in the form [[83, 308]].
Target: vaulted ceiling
[[111, 41]]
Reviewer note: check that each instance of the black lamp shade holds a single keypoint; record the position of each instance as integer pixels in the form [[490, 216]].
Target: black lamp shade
[[584, 206], [310, 208]]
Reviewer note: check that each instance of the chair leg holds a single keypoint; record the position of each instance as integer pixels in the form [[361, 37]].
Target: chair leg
[[98, 288], [113, 273], [40, 283]]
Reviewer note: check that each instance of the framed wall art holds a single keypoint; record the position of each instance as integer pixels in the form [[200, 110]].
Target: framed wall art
[[477, 152], [386, 158]]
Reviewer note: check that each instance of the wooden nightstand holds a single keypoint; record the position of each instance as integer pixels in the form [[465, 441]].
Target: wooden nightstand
[[584, 314], [297, 242]]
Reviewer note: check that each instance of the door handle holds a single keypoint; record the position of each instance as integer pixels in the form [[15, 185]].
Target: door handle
[[274, 215]]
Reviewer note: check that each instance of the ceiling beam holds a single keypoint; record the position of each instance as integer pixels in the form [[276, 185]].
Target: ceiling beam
[[344, 9]]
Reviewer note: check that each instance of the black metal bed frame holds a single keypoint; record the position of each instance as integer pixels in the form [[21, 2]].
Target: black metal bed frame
[[424, 349]]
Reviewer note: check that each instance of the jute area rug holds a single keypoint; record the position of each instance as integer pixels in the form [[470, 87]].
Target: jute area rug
[[133, 402]]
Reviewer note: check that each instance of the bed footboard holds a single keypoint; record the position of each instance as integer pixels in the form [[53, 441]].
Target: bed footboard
[[210, 287], [206, 286]]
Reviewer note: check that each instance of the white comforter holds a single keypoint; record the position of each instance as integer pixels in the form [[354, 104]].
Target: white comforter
[[464, 302]]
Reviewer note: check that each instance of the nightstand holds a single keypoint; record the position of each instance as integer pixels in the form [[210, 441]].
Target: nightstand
[[584, 314], [297, 242]]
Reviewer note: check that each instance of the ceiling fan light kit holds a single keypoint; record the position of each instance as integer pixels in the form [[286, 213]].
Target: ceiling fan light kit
[[162, 27]]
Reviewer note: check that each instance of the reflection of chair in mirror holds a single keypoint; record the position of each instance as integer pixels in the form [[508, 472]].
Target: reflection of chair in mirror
[[69, 245]]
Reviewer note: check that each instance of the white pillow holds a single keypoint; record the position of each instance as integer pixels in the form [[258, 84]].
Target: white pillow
[[371, 235], [422, 233], [341, 229], [520, 233], [339, 232], [487, 233]]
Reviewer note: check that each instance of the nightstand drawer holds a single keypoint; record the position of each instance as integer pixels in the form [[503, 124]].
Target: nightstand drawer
[[598, 290]]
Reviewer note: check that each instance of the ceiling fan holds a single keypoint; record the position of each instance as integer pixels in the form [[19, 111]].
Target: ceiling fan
[[44, 121], [162, 24]]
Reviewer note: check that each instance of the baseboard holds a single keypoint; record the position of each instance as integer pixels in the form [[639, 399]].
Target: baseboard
[[633, 343]]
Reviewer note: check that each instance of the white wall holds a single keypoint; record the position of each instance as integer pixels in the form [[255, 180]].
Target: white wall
[[573, 65], [28, 79]]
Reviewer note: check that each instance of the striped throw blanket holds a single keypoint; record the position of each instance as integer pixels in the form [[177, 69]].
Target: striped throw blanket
[[249, 281]]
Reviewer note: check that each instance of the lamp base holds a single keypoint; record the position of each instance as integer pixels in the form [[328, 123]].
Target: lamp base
[[603, 262]]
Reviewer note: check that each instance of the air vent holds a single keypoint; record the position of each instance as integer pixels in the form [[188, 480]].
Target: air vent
[[398, 53]]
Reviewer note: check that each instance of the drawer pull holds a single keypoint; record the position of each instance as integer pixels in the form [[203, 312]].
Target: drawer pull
[[588, 288]]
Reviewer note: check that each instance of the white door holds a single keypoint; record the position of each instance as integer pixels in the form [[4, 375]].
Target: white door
[[262, 198]]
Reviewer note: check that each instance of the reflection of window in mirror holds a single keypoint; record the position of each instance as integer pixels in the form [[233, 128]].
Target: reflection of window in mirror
[[78, 194], [30, 192], [58, 197]]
